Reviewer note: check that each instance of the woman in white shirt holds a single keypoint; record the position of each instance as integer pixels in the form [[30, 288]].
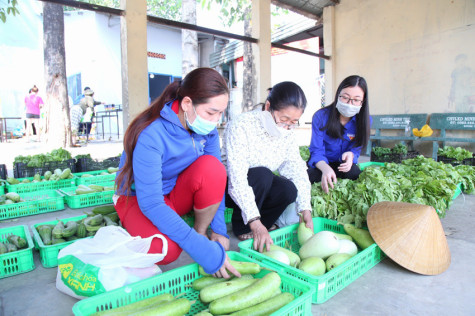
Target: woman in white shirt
[[257, 144]]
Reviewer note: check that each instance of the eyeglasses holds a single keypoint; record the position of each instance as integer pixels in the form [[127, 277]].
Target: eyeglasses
[[284, 124], [347, 99]]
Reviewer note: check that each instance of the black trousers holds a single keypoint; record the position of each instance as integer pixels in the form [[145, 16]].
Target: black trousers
[[272, 195], [315, 175]]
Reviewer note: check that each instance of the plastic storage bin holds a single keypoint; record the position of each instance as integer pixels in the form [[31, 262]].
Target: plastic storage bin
[[86, 200], [40, 186], [330, 283], [88, 164], [21, 170], [49, 253], [96, 177], [19, 261], [178, 281], [35, 203], [3, 171]]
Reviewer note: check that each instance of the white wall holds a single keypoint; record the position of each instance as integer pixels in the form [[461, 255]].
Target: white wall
[[406, 50], [166, 41]]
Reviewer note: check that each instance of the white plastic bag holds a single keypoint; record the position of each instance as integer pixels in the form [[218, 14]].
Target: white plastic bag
[[109, 260]]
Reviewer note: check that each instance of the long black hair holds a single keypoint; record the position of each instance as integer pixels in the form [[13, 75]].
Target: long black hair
[[334, 127], [286, 94]]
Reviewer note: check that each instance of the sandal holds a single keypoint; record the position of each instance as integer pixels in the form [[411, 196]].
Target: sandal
[[245, 236]]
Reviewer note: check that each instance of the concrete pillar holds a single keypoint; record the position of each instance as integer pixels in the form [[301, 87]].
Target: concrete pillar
[[261, 29], [329, 43], [133, 39]]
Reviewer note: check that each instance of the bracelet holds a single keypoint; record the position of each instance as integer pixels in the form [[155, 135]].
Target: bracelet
[[253, 219]]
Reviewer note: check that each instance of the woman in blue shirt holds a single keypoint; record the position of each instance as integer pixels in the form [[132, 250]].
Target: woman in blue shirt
[[339, 132], [171, 165]]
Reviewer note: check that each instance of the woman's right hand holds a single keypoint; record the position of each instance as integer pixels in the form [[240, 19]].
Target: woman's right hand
[[227, 267], [328, 176], [261, 236]]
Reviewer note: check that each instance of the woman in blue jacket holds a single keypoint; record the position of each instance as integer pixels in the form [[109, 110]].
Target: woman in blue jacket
[[171, 165], [339, 132]]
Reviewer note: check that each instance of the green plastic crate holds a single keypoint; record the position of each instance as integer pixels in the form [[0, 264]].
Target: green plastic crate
[[40, 186], [19, 261], [49, 253], [190, 217], [331, 282], [96, 177], [35, 203], [457, 191], [178, 281], [86, 200], [364, 165]]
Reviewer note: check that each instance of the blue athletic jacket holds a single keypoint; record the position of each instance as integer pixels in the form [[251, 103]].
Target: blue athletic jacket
[[324, 147], [164, 149]]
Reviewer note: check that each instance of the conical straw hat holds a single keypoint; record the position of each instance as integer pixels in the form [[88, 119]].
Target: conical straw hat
[[411, 235]]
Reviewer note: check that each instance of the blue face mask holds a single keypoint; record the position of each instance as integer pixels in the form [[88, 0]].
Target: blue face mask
[[200, 125]]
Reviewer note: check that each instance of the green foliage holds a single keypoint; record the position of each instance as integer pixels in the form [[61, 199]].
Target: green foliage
[[458, 153], [304, 153], [419, 180], [38, 160], [233, 11], [168, 9], [397, 149], [11, 8]]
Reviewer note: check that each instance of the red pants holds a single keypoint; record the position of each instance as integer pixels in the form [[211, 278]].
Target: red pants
[[200, 185]]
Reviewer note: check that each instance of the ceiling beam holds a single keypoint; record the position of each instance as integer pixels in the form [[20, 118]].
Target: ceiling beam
[[298, 50], [87, 6], [296, 10]]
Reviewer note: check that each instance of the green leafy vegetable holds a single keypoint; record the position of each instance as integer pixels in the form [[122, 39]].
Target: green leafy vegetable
[[304, 153], [458, 153], [420, 180]]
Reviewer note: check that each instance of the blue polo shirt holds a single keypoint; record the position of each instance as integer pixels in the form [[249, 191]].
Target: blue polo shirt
[[326, 148]]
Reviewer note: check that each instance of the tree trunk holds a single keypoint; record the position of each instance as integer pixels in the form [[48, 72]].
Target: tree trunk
[[249, 83], [58, 127], [189, 39]]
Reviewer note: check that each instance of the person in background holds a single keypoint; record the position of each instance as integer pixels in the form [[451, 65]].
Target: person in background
[[339, 132], [257, 145], [33, 104], [171, 165], [87, 105]]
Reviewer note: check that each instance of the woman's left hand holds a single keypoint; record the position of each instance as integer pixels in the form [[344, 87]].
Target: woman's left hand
[[307, 218], [224, 241], [347, 158]]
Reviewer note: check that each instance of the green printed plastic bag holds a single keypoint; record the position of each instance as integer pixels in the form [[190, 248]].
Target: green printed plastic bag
[[108, 261]]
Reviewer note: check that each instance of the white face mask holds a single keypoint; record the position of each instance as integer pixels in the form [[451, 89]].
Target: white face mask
[[269, 124], [283, 131], [347, 110]]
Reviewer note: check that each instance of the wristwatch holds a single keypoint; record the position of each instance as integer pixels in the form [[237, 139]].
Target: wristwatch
[[253, 219]]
